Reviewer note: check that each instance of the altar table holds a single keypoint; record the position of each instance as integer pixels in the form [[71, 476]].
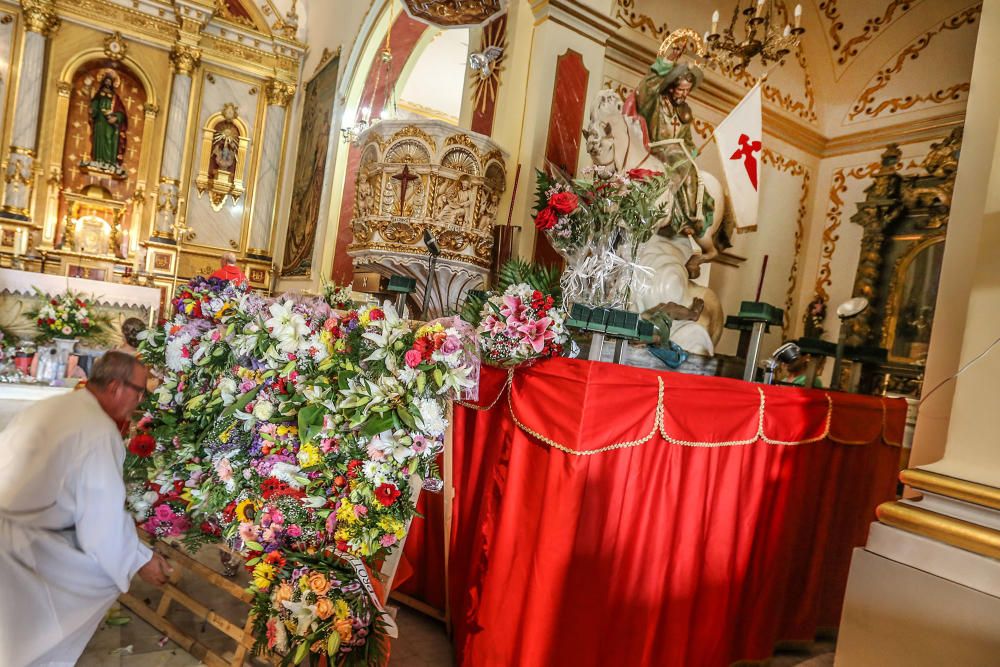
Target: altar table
[[612, 515]]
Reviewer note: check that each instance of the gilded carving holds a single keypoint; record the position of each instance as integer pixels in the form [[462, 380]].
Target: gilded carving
[[185, 59], [223, 166], [461, 159], [326, 57], [455, 13], [415, 132], [115, 47], [278, 93], [65, 88], [865, 102], [40, 16], [880, 209]]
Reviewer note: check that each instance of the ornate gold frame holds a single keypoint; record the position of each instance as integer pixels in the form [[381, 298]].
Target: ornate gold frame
[[899, 269], [219, 189]]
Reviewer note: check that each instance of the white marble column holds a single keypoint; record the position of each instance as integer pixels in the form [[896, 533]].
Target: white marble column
[[39, 21], [279, 94], [185, 59]]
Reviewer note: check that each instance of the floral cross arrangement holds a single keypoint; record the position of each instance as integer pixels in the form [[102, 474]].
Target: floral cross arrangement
[[67, 316], [299, 436]]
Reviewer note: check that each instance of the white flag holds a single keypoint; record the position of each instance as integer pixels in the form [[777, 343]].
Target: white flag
[[738, 137]]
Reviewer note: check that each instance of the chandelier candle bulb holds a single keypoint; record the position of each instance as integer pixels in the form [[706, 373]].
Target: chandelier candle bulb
[[787, 31], [798, 16], [760, 7], [715, 21]]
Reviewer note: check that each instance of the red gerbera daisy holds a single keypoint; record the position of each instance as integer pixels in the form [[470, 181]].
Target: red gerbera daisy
[[387, 494]]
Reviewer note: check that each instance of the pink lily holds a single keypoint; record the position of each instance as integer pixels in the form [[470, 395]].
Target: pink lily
[[537, 332]]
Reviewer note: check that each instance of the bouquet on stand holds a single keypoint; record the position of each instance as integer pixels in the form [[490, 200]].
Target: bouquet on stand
[[598, 227], [67, 316], [301, 437]]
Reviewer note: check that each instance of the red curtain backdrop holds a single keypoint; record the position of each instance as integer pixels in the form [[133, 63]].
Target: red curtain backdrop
[[693, 533]]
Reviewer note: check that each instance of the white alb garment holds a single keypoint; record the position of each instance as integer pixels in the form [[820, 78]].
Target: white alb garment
[[67, 545]]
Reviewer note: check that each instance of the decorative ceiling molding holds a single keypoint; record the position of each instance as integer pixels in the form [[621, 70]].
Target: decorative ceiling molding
[[864, 105], [872, 27], [828, 9], [907, 132], [625, 10]]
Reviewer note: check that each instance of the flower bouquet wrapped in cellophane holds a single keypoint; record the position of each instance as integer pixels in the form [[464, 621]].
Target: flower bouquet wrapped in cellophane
[[598, 227]]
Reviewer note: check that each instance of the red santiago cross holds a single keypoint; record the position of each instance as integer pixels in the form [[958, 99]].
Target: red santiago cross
[[404, 178], [746, 151]]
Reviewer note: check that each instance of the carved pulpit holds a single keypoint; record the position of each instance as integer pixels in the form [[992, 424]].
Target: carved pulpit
[[418, 176], [905, 220]]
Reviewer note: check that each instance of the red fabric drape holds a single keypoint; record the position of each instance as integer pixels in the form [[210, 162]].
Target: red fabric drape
[[658, 553]]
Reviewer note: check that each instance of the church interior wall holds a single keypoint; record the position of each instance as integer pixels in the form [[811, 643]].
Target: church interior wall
[[329, 27], [226, 228], [804, 227]]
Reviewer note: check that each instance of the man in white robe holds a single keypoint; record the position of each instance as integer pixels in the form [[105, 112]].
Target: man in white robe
[[67, 545]]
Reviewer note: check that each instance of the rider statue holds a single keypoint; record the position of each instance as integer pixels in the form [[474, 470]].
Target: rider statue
[[660, 101]]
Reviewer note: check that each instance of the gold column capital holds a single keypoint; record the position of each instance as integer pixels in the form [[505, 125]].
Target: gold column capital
[[278, 93], [185, 58], [40, 16]]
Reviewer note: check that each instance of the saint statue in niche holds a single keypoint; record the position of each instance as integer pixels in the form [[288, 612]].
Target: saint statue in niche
[[109, 125], [225, 149]]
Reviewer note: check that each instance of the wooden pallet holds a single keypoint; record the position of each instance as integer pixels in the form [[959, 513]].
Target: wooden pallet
[[186, 568]]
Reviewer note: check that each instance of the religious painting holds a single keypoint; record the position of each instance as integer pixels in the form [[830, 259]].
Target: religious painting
[[103, 142], [310, 170]]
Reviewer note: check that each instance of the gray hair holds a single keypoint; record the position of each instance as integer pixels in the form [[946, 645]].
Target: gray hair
[[112, 367], [228, 258]]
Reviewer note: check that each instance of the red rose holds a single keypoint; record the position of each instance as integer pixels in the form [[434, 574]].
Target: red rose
[[142, 445], [564, 203], [386, 494], [352, 468], [376, 314], [643, 174], [546, 219]]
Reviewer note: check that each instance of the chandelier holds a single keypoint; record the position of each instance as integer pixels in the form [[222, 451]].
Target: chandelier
[[383, 84], [761, 35]]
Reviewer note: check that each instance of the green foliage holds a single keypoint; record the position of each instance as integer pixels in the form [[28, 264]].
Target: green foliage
[[542, 277]]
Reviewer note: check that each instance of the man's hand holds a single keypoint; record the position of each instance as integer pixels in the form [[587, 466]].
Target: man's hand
[[156, 571]]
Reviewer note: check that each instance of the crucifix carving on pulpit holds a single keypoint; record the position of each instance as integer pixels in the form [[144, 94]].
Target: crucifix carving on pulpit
[[404, 177]]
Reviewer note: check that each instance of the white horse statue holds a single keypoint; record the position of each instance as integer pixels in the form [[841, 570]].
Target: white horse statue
[[615, 143]]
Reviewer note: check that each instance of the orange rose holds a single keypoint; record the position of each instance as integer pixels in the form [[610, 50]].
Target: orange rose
[[281, 594], [324, 608], [318, 583], [343, 628]]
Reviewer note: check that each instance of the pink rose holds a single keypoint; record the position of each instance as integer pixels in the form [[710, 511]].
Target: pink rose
[[412, 358], [388, 540], [294, 531], [451, 345]]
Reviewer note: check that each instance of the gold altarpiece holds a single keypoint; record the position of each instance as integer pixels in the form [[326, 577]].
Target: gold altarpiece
[[149, 145]]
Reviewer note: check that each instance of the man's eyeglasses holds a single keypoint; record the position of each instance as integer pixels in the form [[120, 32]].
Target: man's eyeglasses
[[137, 387]]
